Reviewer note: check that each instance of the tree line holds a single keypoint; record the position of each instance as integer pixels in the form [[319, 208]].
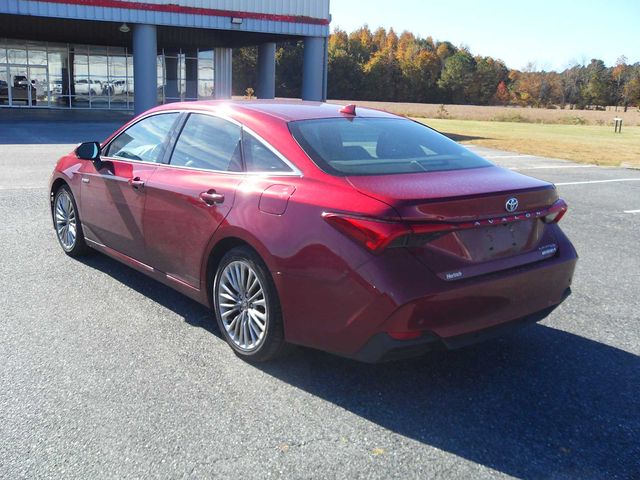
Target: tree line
[[380, 65]]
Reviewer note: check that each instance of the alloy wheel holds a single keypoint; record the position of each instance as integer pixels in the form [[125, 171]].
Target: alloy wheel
[[242, 305], [66, 222]]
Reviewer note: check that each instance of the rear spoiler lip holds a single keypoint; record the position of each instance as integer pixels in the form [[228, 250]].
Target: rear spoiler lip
[[507, 191], [458, 222], [378, 233], [463, 223]]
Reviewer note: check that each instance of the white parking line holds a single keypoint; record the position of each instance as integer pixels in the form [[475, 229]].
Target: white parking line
[[601, 181], [508, 156], [545, 167], [631, 211]]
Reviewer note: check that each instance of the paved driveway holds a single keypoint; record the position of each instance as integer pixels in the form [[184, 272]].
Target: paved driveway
[[106, 373]]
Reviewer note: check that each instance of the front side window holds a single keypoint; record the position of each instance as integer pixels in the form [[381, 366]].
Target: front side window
[[145, 140], [209, 143], [258, 158], [379, 146]]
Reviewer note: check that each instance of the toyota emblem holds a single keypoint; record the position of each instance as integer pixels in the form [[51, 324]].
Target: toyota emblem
[[511, 205]]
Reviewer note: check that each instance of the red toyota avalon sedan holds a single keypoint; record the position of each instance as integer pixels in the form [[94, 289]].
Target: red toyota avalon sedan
[[345, 229]]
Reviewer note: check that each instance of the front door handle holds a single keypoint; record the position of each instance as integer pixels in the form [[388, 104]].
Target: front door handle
[[136, 183], [211, 197]]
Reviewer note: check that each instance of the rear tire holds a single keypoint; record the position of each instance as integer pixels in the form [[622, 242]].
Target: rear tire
[[247, 307], [67, 223]]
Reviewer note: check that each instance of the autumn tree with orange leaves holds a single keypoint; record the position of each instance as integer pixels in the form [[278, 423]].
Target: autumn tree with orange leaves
[[382, 65]]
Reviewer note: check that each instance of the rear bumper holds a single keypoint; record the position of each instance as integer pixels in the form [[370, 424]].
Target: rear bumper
[[382, 348], [395, 293]]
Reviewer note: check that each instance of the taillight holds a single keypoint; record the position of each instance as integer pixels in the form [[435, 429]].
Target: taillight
[[555, 212], [376, 235], [373, 234]]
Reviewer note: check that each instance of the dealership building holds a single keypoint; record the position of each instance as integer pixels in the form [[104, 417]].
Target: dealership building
[[121, 54]]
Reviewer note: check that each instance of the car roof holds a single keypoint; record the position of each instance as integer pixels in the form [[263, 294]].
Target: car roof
[[284, 110]]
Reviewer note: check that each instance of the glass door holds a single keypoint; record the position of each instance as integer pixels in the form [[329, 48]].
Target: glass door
[[27, 86], [19, 86], [4, 85], [40, 88]]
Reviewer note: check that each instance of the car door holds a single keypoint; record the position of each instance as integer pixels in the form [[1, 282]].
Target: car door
[[189, 198], [113, 191]]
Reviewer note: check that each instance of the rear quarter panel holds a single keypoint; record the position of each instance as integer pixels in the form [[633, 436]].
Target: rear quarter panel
[[313, 265]]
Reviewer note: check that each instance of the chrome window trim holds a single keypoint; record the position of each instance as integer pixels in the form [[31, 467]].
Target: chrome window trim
[[295, 171], [138, 120]]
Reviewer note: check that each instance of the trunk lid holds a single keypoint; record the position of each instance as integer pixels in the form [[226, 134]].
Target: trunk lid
[[458, 195], [499, 238]]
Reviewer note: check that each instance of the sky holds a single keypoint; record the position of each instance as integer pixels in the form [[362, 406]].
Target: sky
[[553, 34]]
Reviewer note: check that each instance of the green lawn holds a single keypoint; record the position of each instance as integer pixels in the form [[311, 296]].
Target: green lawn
[[580, 143]]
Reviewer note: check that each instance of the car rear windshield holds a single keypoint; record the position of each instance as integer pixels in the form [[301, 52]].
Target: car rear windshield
[[379, 146]]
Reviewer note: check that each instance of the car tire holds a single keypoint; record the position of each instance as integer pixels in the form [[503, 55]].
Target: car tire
[[66, 223], [247, 307]]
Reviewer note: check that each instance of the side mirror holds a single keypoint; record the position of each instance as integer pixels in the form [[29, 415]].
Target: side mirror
[[88, 151]]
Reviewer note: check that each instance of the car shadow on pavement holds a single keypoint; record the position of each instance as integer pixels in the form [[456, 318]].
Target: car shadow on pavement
[[191, 311], [541, 403]]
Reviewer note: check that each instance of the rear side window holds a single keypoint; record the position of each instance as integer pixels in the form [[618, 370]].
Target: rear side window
[[209, 143], [258, 158], [379, 146], [145, 141]]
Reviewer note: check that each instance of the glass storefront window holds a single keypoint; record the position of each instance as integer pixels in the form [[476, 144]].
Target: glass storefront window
[[171, 79], [117, 66], [98, 50], [98, 73], [58, 66], [80, 49], [98, 65], [20, 88], [102, 89], [80, 66], [3, 51], [16, 53], [160, 78], [191, 79], [39, 85], [38, 57], [205, 74], [4, 85], [181, 77], [82, 76], [81, 90], [58, 62]]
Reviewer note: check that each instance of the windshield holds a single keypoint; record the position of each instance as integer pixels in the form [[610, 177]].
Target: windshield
[[379, 146]]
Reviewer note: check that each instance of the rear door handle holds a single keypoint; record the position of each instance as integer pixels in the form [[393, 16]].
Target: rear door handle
[[136, 183], [211, 197]]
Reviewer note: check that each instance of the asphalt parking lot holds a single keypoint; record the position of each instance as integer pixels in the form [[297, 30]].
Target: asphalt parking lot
[[105, 373]]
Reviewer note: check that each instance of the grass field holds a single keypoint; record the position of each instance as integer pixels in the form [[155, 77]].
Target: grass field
[[580, 143], [506, 114]]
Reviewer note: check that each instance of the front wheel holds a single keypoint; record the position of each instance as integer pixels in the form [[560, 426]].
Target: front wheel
[[247, 307], [67, 223]]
